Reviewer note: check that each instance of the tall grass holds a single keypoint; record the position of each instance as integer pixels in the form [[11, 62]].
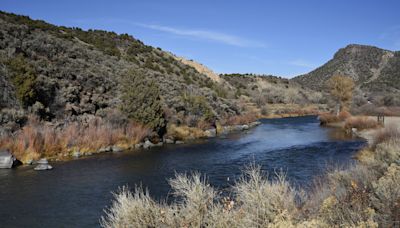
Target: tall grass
[[239, 119], [365, 194], [38, 139], [361, 123]]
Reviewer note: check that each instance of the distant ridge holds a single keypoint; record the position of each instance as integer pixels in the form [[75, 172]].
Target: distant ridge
[[375, 71]]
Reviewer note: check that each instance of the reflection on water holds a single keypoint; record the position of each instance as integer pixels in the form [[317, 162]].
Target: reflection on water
[[76, 192]]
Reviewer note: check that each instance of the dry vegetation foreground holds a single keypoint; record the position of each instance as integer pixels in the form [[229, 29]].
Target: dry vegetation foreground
[[366, 194]]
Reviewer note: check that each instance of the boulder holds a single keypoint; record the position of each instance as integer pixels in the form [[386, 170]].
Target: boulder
[[245, 127], [7, 160], [43, 164]]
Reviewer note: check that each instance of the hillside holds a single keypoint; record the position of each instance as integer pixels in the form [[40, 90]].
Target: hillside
[[375, 71], [65, 73], [264, 92]]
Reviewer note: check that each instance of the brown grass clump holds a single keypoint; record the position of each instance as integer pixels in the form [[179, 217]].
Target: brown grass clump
[[328, 118], [184, 132], [361, 123], [40, 139], [241, 119]]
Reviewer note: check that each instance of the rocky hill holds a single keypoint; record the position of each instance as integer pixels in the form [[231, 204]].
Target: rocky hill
[[67, 73], [375, 71]]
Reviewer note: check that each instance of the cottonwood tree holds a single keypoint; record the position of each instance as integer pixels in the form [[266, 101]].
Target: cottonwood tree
[[141, 100], [341, 88]]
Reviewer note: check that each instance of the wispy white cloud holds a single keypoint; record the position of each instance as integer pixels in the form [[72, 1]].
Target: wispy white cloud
[[205, 35], [301, 63], [201, 34]]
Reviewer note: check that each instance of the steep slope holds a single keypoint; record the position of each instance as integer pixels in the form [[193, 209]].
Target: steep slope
[[374, 70], [71, 73]]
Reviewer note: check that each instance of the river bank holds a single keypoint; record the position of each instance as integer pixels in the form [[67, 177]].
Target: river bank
[[38, 140]]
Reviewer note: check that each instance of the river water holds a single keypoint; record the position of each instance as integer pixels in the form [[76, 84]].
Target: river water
[[75, 193]]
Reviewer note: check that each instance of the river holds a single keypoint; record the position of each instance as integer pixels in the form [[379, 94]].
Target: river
[[75, 193]]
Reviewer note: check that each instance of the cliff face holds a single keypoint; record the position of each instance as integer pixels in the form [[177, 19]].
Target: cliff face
[[375, 71], [70, 73]]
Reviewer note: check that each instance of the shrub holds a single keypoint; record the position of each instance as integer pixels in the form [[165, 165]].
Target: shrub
[[24, 79], [141, 100], [198, 106], [361, 123]]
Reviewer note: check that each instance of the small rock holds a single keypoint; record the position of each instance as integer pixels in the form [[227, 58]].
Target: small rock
[[76, 154], [42, 167], [168, 141], [148, 144], [210, 133], [117, 149], [245, 127], [105, 149], [179, 142], [139, 145], [42, 161]]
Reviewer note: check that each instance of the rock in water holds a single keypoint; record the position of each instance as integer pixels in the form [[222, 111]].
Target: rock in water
[[43, 164], [148, 144], [7, 160]]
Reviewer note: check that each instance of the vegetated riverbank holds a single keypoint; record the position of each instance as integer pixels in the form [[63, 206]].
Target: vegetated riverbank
[[40, 139], [362, 195]]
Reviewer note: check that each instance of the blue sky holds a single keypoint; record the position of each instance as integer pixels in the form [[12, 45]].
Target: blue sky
[[284, 38]]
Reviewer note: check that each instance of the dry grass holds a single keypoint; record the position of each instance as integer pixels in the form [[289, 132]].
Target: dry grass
[[361, 123], [329, 118], [365, 194], [238, 120], [184, 132], [38, 139]]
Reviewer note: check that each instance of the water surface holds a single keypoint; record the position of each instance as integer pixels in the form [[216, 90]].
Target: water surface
[[76, 192]]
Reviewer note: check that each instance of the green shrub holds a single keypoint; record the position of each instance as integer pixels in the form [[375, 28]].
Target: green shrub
[[198, 106], [24, 78], [141, 100]]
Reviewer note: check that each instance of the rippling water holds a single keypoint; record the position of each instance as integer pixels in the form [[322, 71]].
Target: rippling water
[[76, 192]]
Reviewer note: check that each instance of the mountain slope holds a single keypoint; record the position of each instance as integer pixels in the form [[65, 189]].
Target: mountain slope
[[72, 74], [374, 70]]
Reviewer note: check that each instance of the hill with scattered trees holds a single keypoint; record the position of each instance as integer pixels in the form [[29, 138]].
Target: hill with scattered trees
[[375, 72]]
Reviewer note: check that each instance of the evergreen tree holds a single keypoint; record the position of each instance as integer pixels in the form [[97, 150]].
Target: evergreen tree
[[141, 100]]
